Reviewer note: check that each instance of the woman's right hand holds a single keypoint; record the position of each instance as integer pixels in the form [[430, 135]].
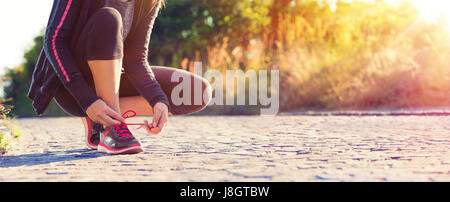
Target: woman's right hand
[[101, 113]]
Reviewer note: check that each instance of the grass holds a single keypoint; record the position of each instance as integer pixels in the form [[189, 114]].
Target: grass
[[362, 56], [8, 137]]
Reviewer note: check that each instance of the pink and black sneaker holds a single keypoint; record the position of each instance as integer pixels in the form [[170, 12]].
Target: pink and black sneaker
[[118, 139], [92, 132]]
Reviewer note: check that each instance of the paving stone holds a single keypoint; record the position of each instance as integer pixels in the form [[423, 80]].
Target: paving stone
[[241, 148]]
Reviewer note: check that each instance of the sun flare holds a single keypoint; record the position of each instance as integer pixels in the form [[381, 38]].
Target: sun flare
[[432, 10]]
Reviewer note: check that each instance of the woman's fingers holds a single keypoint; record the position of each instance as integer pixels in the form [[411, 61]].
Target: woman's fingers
[[100, 112], [108, 121], [156, 130], [110, 117], [153, 130], [148, 128], [159, 118], [115, 115], [161, 124], [145, 126], [156, 118], [101, 121]]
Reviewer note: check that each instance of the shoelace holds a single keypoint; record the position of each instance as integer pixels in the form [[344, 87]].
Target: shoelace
[[122, 129]]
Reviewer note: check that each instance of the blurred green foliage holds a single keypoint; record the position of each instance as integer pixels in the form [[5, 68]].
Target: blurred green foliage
[[19, 82]]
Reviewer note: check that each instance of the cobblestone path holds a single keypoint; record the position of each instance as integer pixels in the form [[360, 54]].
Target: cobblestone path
[[242, 148]]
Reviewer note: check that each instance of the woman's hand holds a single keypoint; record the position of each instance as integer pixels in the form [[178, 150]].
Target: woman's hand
[[160, 118], [101, 113]]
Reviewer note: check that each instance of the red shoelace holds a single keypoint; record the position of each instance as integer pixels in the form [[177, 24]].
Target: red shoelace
[[122, 129]]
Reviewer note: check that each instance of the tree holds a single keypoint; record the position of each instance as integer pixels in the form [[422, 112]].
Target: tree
[[20, 80]]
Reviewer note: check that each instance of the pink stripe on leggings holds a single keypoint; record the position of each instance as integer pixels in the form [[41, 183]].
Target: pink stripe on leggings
[[54, 39]]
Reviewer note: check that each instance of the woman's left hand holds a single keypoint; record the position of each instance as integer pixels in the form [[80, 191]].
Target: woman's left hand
[[160, 118]]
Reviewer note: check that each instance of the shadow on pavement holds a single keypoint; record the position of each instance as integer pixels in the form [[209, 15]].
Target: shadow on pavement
[[48, 157]]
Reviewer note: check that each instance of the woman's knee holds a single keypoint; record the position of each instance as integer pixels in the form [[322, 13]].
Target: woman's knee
[[107, 19], [204, 94], [200, 95], [104, 35]]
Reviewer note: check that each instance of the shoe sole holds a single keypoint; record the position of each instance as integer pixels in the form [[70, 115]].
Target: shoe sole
[[129, 150], [87, 128]]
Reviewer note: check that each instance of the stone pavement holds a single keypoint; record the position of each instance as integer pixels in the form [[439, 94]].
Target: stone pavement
[[242, 148]]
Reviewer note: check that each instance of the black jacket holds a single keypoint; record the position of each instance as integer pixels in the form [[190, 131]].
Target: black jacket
[[57, 68]]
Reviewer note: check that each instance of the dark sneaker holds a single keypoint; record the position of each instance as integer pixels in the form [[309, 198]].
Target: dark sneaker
[[118, 139], [92, 132]]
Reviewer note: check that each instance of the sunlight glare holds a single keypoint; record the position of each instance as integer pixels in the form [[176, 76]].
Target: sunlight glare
[[432, 10]]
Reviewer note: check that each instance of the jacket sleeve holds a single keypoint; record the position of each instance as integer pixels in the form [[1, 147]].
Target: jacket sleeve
[[136, 65], [58, 35]]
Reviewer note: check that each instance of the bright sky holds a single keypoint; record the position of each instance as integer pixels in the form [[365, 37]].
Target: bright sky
[[21, 20]]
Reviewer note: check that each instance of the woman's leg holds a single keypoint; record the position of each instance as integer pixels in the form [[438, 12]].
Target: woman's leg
[[108, 89], [103, 52], [136, 103], [106, 74], [98, 51], [130, 98]]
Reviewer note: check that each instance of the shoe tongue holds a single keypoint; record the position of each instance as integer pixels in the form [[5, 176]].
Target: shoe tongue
[[121, 125], [122, 130]]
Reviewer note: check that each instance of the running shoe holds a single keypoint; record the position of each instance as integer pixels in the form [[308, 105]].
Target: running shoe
[[118, 139], [92, 132]]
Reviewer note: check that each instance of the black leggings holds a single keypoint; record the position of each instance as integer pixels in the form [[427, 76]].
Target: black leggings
[[92, 47]]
